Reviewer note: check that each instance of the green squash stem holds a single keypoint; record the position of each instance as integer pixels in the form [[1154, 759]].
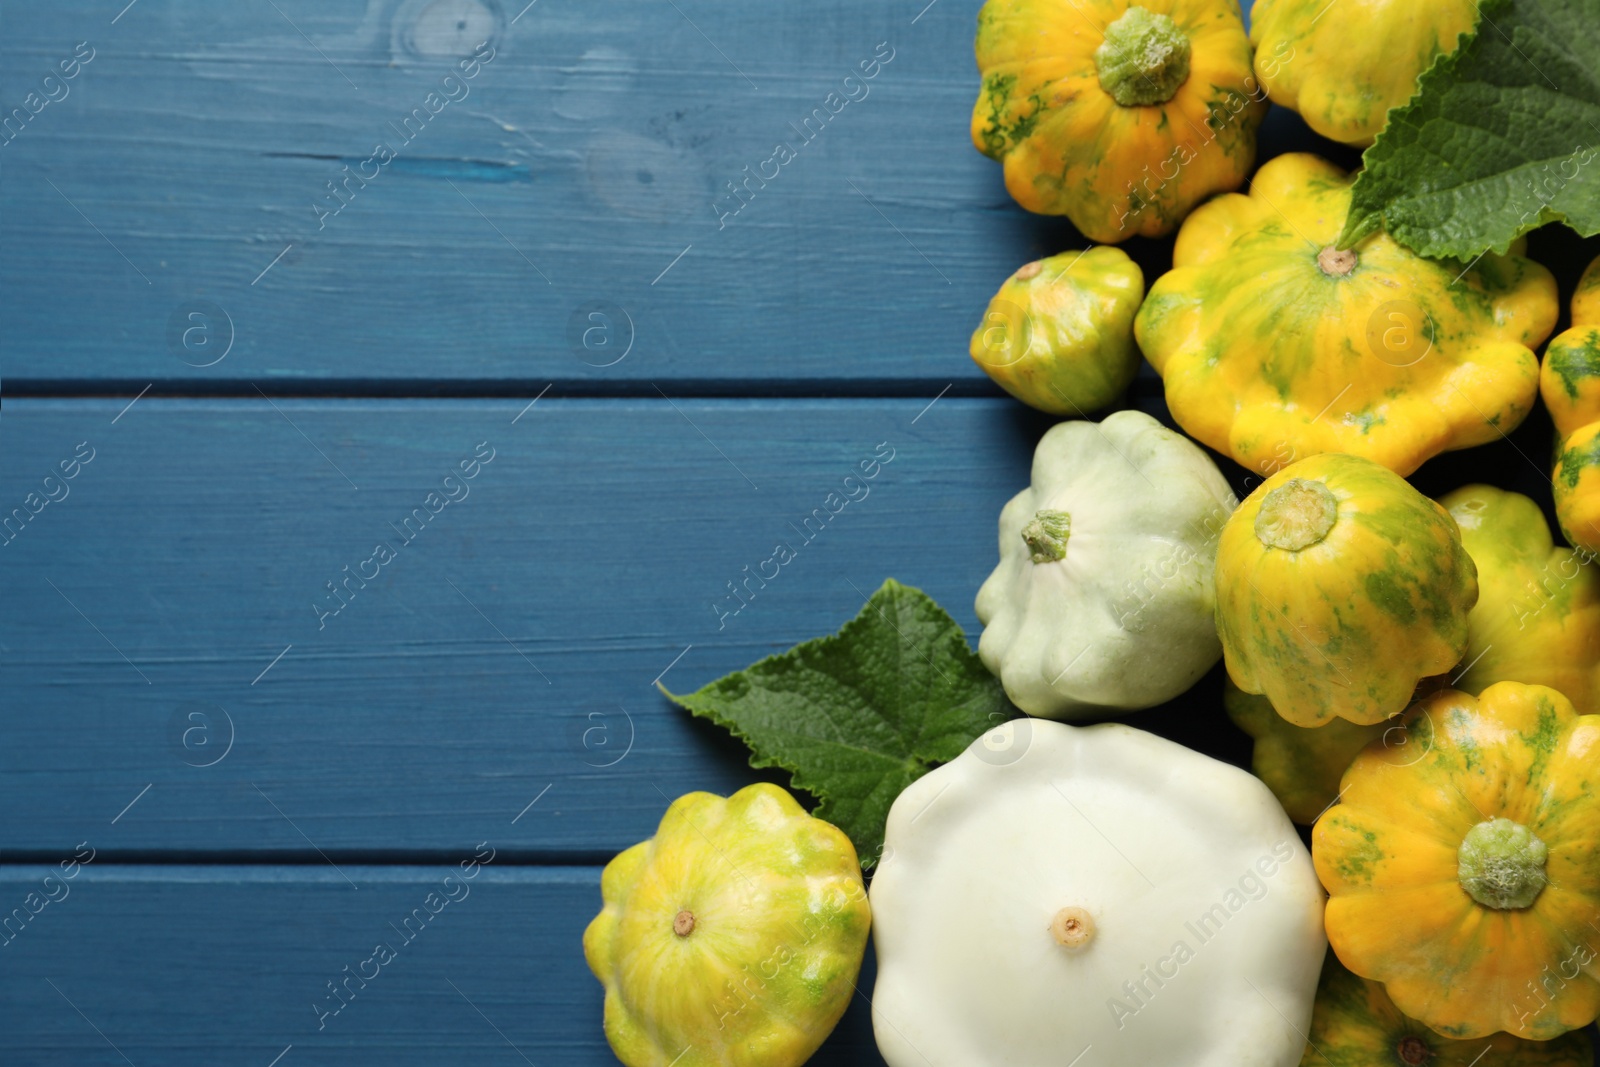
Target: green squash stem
[[1046, 535], [1501, 865], [1296, 515], [1144, 58]]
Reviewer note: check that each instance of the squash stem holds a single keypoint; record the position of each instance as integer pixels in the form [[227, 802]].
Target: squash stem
[[1073, 928], [1413, 1051], [1501, 865], [1046, 535], [1337, 262], [1144, 59], [1296, 515]]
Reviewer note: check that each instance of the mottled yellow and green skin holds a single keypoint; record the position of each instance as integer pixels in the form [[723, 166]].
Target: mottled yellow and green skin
[[1346, 627], [780, 926], [1388, 855], [1355, 1024], [1269, 358], [1301, 766], [1343, 73], [1058, 335], [1537, 619], [1070, 149], [1570, 385]]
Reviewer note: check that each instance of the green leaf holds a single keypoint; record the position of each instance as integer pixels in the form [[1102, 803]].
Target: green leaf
[[860, 715], [1501, 137]]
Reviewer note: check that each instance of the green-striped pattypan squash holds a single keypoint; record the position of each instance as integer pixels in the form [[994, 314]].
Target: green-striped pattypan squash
[[732, 938], [1103, 595], [1461, 867], [1343, 73], [1355, 1024], [1570, 385], [1058, 335], [1339, 588], [1275, 346], [1537, 619], [1121, 116]]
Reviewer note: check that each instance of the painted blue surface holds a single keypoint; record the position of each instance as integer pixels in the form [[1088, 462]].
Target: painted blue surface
[[510, 644], [582, 159], [199, 966], [248, 395]]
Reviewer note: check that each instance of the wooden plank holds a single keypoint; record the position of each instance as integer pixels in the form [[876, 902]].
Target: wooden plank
[[567, 217], [194, 966], [509, 648], [165, 604], [230, 965], [187, 168]]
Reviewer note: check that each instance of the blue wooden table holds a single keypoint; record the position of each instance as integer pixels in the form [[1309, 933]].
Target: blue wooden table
[[392, 392]]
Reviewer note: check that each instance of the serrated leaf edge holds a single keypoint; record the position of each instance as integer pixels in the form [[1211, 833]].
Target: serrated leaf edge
[[797, 777], [1357, 229]]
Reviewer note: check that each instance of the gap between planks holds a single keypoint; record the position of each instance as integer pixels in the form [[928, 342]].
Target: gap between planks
[[498, 389]]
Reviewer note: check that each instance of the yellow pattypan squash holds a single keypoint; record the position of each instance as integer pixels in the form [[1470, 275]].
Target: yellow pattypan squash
[[1537, 619], [1570, 385], [1275, 346], [1339, 588], [1461, 867], [1058, 335], [1344, 73], [1355, 1024], [732, 938], [1120, 116], [1301, 766]]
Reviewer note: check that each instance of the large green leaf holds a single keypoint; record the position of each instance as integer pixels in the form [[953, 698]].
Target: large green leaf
[[1501, 137], [860, 715]]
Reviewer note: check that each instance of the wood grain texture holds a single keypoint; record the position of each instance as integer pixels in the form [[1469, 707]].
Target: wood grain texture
[[199, 966], [166, 689], [511, 646], [196, 145]]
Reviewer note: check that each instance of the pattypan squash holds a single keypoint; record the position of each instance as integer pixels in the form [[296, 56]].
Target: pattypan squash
[[1056, 889], [1302, 766], [1343, 74], [1058, 335], [1355, 1024], [1570, 385], [1339, 588], [1103, 595], [1461, 867], [1274, 345], [1537, 619], [732, 938], [1121, 116]]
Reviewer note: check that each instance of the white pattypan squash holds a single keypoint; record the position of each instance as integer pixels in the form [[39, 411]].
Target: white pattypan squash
[[1092, 896], [1103, 597]]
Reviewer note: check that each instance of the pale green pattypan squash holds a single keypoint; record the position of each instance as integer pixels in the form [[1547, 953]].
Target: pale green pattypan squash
[[1103, 597], [1092, 895]]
